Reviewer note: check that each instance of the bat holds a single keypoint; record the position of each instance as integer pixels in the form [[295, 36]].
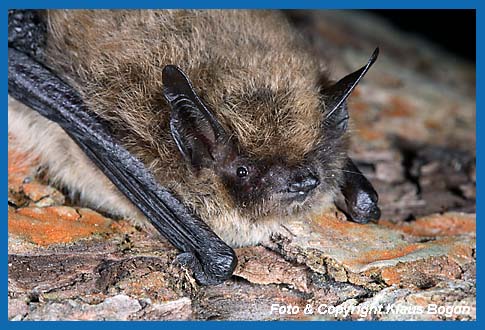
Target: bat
[[215, 126]]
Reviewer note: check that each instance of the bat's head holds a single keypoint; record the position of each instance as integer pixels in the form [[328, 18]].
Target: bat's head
[[276, 159]]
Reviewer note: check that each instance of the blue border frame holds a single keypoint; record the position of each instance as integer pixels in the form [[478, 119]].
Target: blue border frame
[[341, 4], [281, 4]]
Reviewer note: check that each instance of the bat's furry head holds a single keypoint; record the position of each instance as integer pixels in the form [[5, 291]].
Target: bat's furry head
[[294, 155], [274, 169], [256, 133]]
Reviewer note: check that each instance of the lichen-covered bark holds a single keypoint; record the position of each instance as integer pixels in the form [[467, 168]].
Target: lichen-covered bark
[[413, 119]]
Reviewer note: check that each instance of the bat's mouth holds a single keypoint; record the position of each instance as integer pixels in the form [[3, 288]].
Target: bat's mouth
[[293, 202], [296, 196]]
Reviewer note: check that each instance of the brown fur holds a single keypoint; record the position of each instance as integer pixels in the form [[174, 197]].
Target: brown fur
[[250, 67]]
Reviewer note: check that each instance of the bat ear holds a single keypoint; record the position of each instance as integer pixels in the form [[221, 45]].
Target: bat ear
[[194, 128], [337, 116]]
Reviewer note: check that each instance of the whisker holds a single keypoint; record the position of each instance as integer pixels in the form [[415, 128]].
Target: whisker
[[352, 172], [346, 171]]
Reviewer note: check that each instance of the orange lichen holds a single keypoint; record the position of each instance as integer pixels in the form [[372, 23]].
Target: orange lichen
[[329, 221], [48, 214], [391, 276], [51, 225], [93, 218], [367, 257], [340, 224], [449, 224]]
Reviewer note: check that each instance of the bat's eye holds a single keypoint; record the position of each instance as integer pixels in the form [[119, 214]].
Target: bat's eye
[[242, 171]]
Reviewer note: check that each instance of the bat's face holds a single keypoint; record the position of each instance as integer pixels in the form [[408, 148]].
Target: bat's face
[[304, 149], [274, 186]]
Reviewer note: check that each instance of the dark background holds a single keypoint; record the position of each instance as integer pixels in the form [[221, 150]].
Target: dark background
[[454, 30]]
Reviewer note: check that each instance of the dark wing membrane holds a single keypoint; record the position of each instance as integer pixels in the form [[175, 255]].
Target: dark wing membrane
[[34, 85]]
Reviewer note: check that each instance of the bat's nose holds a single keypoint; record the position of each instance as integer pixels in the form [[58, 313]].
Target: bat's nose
[[304, 184]]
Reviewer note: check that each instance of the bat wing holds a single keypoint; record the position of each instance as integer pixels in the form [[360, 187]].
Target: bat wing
[[36, 86]]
